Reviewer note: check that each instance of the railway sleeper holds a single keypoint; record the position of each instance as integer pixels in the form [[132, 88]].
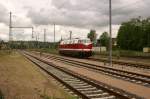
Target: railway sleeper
[[87, 89]]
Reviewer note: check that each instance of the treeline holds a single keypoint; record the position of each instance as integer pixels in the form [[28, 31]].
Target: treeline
[[27, 45], [134, 34], [103, 39]]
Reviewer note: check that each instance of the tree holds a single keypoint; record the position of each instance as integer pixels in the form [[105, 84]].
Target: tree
[[92, 35], [104, 39], [134, 34]]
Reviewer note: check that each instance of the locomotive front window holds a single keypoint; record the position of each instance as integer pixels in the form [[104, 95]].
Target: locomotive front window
[[71, 42], [75, 41], [79, 41], [88, 41], [61, 42], [85, 41]]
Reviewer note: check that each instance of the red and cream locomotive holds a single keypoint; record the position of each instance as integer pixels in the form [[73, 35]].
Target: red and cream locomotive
[[76, 47]]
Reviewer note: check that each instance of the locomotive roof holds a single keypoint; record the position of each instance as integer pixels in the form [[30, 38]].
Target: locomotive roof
[[76, 39]]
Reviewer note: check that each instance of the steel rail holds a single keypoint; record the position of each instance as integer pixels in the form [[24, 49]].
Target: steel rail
[[125, 75], [118, 93]]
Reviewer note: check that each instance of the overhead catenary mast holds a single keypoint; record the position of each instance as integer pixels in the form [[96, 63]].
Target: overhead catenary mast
[[10, 25], [44, 35], [10, 28]]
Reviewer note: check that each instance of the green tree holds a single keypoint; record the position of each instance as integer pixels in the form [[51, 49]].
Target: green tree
[[92, 35], [104, 39], [134, 34]]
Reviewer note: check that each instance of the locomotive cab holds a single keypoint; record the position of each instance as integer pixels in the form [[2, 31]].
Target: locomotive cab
[[86, 46]]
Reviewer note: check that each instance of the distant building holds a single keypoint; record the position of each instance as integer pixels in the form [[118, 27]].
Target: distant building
[[146, 49], [114, 41], [99, 49]]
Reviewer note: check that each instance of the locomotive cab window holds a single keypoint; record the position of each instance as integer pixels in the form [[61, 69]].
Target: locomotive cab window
[[62, 42], [75, 41], [79, 41], [85, 41], [71, 42], [67, 42], [88, 41]]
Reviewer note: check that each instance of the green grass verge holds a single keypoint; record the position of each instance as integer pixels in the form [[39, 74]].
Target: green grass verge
[[13, 58], [125, 53], [1, 95], [47, 97], [52, 51]]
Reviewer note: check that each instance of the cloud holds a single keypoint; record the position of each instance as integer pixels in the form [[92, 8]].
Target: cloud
[[70, 13], [3, 31], [3, 14], [86, 13], [77, 15]]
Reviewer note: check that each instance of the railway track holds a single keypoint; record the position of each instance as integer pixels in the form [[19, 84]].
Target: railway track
[[84, 87], [130, 64], [140, 79]]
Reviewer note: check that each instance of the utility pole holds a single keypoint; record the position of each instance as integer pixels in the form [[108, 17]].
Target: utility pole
[[54, 32], [110, 36], [37, 39], [70, 35], [61, 38], [44, 35], [32, 33], [10, 26]]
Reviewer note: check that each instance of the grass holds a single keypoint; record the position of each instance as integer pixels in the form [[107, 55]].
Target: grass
[[46, 50], [20, 77], [125, 53], [1, 95], [5, 52]]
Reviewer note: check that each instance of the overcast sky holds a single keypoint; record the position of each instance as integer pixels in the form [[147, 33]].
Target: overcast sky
[[79, 16]]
